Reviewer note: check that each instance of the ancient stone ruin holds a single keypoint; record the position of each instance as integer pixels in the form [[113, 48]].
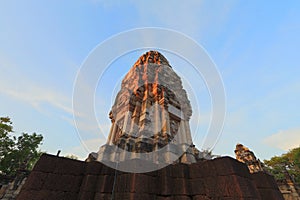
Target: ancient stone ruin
[[149, 153], [150, 117], [244, 155], [61, 178], [10, 187], [287, 187]]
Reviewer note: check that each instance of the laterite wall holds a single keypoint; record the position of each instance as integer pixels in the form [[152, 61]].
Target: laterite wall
[[57, 178]]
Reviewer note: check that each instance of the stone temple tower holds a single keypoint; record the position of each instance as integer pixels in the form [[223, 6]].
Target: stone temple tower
[[143, 157], [151, 113]]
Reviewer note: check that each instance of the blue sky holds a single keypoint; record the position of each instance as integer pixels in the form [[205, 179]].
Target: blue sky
[[254, 44]]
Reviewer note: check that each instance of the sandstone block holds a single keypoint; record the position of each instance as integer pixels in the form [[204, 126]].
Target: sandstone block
[[36, 181], [46, 163], [229, 166]]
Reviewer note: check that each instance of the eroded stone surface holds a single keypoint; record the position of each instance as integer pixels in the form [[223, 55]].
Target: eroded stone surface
[[151, 111], [244, 155], [220, 178]]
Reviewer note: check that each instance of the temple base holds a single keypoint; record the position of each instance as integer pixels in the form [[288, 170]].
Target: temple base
[[222, 178]]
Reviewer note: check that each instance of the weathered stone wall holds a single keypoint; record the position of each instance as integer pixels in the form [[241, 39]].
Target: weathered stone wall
[[10, 187], [289, 190], [56, 178], [10, 191], [287, 187]]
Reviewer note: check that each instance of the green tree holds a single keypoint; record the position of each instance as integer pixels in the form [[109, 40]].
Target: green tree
[[288, 162], [71, 156], [6, 143], [17, 153]]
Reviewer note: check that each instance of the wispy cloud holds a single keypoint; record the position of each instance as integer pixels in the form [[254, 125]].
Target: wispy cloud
[[36, 96], [284, 139], [15, 84], [84, 126]]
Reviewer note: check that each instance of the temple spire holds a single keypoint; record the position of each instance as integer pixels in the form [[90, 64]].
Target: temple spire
[[151, 110]]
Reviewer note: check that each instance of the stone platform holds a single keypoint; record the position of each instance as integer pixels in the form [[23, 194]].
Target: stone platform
[[57, 178]]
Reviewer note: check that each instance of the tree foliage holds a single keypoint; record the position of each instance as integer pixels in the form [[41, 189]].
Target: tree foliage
[[17, 153], [286, 163], [71, 156]]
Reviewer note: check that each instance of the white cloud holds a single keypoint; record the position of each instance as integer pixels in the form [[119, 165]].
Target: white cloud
[[15, 84], [84, 125], [284, 139], [37, 95]]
